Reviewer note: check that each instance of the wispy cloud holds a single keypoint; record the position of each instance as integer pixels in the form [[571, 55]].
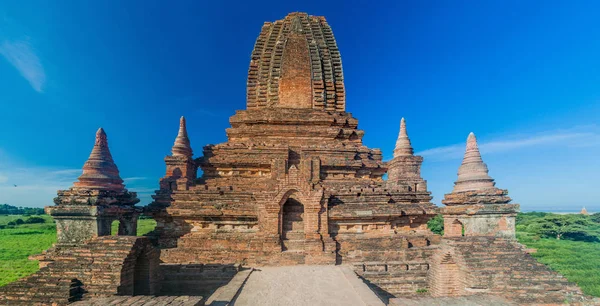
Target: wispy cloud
[[36, 186], [22, 55], [576, 137], [135, 178]]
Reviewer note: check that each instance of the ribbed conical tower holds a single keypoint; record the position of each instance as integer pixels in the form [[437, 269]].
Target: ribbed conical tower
[[403, 146], [100, 171], [473, 172], [182, 142]]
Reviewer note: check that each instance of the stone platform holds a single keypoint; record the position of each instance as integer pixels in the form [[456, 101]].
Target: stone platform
[[305, 285]]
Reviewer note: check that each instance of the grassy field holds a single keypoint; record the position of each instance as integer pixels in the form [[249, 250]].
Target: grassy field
[[18, 243], [578, 261]]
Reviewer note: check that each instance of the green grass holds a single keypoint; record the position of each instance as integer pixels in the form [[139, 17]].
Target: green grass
[[578, 261], [16, 244], [22, 241]]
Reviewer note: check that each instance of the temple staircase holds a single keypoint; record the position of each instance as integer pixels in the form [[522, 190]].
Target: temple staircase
[[393, 278], [503, 267]]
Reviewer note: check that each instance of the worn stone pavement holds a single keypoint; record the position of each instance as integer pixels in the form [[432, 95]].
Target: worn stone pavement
[[305, 285]]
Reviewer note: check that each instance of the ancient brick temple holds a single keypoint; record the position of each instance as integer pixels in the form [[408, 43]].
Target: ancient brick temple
[[292, 185]]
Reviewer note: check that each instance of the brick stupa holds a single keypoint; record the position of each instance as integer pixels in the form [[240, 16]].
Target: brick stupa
[[99, 197], [481, 207], [100, 171]]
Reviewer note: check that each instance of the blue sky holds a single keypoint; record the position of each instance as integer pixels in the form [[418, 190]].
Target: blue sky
[[523, 75]]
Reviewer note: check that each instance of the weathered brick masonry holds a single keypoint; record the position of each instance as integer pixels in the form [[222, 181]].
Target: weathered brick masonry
[[293, 184]]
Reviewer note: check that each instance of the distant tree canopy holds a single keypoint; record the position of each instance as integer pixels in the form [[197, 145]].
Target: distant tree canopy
[[595, 217], [568, 226], [6, 209]]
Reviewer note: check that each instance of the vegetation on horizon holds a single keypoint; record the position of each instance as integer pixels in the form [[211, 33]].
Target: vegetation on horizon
[[6, 209]]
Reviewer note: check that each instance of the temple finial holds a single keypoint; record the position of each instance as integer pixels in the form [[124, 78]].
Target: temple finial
[[100, 171], [403, 146], [182, 142], [473, 172]]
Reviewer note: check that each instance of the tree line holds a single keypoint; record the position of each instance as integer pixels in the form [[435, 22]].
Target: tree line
[[6, 209]]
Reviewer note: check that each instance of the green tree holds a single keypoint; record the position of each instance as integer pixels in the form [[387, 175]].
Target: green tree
[[32, 220], [436, 224], [571, 227]]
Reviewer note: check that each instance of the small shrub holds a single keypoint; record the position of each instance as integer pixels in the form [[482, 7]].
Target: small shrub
[[33, 220], [436, 225], [422, 290], [19, 221]]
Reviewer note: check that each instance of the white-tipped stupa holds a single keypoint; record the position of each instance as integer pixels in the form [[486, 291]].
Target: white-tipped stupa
[[403, 146]]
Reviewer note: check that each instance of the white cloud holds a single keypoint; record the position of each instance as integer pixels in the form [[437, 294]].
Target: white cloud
[[133, 179], [35, 186], [577, 137], [21, 54]]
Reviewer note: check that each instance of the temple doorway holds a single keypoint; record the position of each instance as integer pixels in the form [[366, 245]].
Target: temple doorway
[[292, 226], [456, 229], [141, 275]]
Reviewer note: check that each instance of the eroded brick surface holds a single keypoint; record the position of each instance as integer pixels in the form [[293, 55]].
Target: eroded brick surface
[[103, 266]]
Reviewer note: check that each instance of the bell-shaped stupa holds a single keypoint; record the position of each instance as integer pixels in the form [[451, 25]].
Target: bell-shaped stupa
[[403, 146], [474, 185], [100, 171], [473, 172], [182, 142]]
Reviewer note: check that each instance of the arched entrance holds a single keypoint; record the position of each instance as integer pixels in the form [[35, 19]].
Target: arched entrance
[[141, 275], [456, 229], [292, 225]]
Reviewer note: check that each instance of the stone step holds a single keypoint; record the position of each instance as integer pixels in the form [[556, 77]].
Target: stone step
[[293, 235], [395, 282], [294, 244], [291, 257], [295, 226], [385, 275]]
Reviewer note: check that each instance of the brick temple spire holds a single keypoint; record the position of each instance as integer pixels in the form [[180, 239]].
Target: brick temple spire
[[100, 171], [182, 142], [473, 172], [403, 146]]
